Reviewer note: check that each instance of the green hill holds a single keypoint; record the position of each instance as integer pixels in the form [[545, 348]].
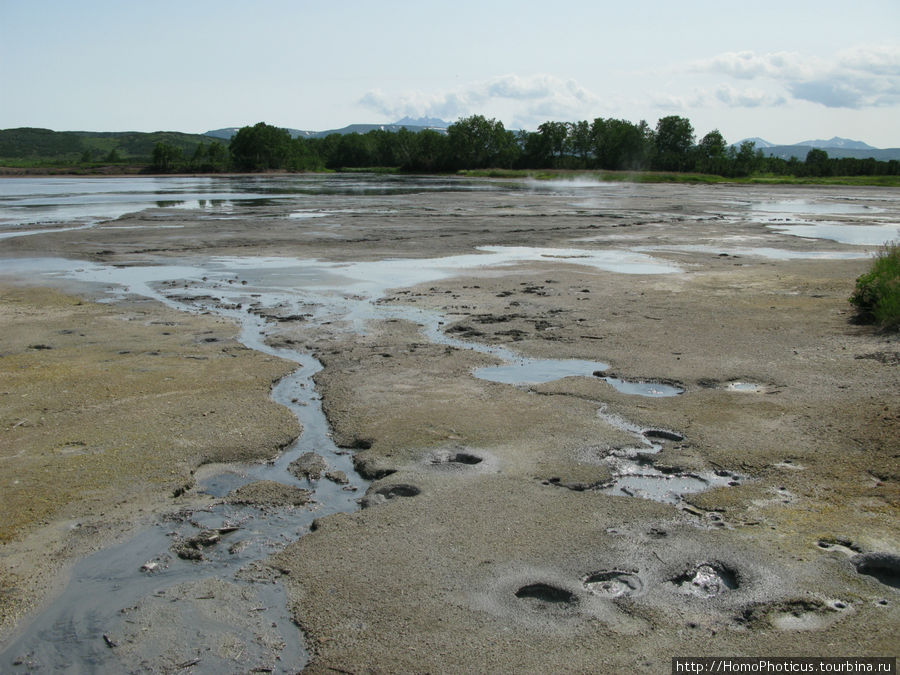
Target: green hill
[[28, 145]]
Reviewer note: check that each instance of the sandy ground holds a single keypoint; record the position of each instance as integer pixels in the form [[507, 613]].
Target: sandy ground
[[516, 562]]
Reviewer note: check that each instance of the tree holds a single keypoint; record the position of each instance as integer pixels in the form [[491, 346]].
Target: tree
[[713, 144], [620, 144], [165, 157], [216, 157], [712, 153], [674, 138], [746, 160], [260, 147], [431, 151], [553, 140], [817, 163], [353, 150], [580, 140], [477, 143], [197, 159]]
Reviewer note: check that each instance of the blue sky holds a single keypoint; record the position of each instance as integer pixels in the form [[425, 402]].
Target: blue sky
[[786, 71]]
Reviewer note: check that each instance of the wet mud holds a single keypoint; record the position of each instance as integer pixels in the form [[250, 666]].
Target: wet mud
[[604, 425]]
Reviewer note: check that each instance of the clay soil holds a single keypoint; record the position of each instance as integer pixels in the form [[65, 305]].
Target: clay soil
[[509, 559]]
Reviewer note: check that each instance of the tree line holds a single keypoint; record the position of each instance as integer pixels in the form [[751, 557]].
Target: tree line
[[476, 142]]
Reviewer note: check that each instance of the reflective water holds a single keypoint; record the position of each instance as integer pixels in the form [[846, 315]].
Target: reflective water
[[755, 251], [635, 476], [818, 207], [859, 235], [32, 201], [522, 371]]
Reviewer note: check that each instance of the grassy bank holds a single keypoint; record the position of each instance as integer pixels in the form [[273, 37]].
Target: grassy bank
[[877, 295]]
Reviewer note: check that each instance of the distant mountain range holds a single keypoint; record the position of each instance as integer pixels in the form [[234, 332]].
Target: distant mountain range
[[409, 123], [835, 147]]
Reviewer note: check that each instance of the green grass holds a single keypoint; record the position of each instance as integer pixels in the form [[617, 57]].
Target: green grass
[[877, 294], [389, 170]]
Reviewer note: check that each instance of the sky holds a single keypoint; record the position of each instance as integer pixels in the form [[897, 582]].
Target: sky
[[785, 71]]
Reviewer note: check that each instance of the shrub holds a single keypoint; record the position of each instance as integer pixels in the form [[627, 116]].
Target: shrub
[[877, 294]]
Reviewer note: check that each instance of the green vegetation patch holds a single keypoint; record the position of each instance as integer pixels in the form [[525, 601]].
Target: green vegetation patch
[[44, 147], [877, 294]]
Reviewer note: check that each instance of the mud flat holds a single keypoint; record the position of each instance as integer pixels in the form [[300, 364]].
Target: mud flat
[[528, 524], [107, 412]]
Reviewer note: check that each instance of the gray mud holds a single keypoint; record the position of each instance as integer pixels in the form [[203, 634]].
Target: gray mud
[[604, 425]]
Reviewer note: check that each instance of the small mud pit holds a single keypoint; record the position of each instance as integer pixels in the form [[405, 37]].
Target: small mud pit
[[746, 387], [464, 458], [387, 492], [400, 490], [663, 434], [707, 580], [613, 583], [546, 594], [658, 486], [838, 544], [802, 615], [883, 566]]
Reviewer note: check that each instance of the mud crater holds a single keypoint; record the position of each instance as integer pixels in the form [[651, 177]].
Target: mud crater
[[707, 580], [546, 594], [613, 583], [885, 567]]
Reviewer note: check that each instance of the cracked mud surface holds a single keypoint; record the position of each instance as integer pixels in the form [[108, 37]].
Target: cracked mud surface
[[468, 565]]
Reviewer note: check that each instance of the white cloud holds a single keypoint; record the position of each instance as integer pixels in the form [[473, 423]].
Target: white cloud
[[883, 60], [861, 77], [523, 100], [747, 98], [749, 65]]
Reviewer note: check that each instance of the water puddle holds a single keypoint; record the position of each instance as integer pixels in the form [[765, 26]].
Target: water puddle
[[29, 202], [614, 584], [746, 387], [25, 233], [756, 251], [669, 488], [301, 215], [34, 201], [524, 371], [857, 235], [813, 208], [635, 476]]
